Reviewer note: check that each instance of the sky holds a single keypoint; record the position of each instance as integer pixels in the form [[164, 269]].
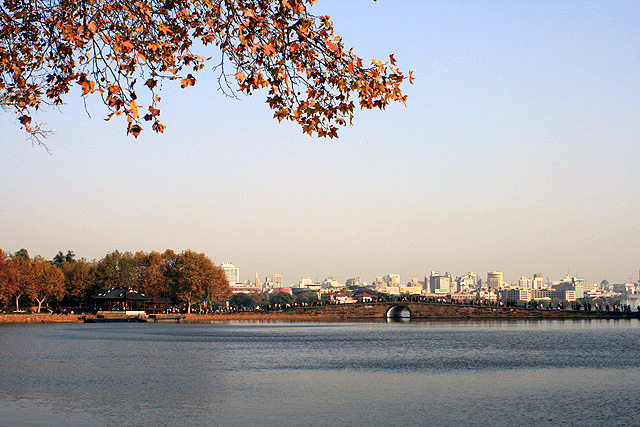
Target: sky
[[518, 150]]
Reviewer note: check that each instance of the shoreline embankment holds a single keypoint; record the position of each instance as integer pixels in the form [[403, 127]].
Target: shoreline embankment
[[293, 315], [39, 318], [188, 318]]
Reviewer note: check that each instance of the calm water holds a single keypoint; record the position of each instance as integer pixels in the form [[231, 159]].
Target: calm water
[[549, 373]]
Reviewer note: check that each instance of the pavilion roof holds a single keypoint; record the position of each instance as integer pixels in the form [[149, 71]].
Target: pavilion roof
[[363, 295], [121, 294]]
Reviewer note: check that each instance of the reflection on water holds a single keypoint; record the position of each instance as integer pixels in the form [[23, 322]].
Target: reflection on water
[[480, 373], [403, 319]]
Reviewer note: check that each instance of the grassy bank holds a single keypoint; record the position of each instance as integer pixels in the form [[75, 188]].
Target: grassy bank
[[189, 318], [39, 318]]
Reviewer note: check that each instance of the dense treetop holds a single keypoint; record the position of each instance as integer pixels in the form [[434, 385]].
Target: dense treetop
[[186, 278], [123, 50]]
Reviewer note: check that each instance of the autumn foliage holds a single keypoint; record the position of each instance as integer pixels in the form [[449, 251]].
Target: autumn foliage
[[186, 278], [123, 50], [35, 279]]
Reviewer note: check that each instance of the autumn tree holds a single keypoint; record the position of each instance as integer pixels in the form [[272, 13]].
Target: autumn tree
[[218, 288], [194, 278], [20, 277], [47, 281], [151, 268], [116, 269], [78, 279], [123, 50], [5, 277]]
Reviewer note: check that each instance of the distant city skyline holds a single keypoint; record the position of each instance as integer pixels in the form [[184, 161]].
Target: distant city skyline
[[234, 270], [518, 151]]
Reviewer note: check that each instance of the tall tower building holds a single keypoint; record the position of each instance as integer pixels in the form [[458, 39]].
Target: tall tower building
[[273, 281], [440, 283], [277, 280], [232, 272], [495, 280], [525, 283], [538, 281]]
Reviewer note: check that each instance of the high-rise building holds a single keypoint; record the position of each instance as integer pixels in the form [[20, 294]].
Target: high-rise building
[[477, 279], [232, 272], [468, 282], [525, 283], [538, 281], [277, 280], [465, 284], [273, 281], [440, 283], [495, 280]]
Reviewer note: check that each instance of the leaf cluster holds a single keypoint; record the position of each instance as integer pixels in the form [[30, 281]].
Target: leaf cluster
[[123, 50]]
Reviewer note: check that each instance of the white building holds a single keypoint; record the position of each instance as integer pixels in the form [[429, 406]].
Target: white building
[[538, 281], [525, 283], [232, 272], [441, 283]]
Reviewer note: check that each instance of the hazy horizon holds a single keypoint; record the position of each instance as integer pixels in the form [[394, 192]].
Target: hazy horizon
[[518, 151]]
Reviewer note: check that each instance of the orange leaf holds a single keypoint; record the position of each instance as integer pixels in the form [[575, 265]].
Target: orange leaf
[[134, 129], [154, 111], [269, 49], [332, 47], [158, 127], [134, 109], [188, 81]]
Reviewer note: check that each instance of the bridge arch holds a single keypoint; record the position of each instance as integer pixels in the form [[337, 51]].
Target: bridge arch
[[399, 311]]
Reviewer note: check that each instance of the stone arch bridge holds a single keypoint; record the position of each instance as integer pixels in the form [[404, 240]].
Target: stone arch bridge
[[444, 311]]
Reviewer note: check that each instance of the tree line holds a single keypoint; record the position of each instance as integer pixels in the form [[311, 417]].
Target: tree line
[[186, 279]]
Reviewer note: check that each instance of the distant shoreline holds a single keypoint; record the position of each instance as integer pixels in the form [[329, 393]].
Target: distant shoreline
[[295, 315]]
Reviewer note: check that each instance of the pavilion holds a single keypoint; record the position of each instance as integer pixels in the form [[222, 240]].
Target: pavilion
[[123, 301]]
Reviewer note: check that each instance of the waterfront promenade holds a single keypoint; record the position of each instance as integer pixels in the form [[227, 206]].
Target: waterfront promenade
[[364, 312]]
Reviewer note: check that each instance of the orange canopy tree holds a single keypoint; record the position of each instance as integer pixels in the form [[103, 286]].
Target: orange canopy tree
[[122, 51], [16, 277], [6, 278], [48, 281], [193, 278]]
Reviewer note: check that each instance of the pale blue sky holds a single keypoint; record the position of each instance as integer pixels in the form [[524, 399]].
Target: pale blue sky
[[519, 150]]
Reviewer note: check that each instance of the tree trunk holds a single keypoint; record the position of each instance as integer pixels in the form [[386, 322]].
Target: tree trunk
[[40, 304], [189, 307], [17, 306]]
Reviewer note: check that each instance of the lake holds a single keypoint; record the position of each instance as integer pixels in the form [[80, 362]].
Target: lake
[[506, 373]]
